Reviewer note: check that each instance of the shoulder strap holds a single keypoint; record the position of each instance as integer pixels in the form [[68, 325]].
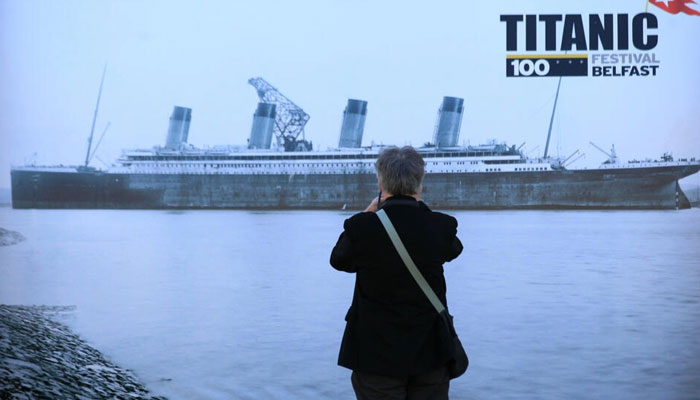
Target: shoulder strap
[[394, 236]]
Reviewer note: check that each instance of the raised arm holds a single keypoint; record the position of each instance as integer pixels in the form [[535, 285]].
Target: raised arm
[[455, 248], [341, 256]]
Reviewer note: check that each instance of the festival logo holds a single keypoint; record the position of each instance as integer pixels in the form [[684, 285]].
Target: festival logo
[[607, 45]]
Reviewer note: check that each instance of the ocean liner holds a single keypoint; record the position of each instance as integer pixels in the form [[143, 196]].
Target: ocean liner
[[286, 173]]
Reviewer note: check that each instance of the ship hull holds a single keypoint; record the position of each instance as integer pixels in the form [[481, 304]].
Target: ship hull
[[623, 188]]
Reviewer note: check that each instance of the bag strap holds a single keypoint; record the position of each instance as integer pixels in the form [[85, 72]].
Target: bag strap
[[401, 249]]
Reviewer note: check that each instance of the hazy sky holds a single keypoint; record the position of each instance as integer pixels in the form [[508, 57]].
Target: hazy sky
[[401, 57]]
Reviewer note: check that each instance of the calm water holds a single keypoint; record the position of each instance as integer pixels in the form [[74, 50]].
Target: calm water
[[243, 305]]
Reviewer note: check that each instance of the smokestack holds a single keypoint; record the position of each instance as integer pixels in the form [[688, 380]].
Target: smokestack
[[263, 123], [449, 122], [353, 124], [179, 127]]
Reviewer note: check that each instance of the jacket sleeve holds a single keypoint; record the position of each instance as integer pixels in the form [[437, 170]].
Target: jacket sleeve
[[342, 254], [455, 248]]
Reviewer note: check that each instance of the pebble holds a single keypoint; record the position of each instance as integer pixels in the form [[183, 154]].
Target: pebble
[[8, 238], [42, 358]]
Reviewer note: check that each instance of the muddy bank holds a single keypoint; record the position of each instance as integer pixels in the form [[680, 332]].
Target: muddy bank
[[42, 358]]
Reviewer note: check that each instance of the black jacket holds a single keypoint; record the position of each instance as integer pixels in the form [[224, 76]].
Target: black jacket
[[392, 329]]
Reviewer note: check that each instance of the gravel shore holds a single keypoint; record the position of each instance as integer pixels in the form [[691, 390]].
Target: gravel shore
[[9, 237], [42, 359]]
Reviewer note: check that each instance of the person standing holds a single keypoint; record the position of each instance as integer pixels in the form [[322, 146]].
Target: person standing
[[393, 341]]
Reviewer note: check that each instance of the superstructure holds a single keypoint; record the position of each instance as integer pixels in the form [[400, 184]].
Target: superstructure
[[278, 169]]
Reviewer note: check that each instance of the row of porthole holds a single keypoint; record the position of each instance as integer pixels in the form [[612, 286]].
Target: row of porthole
[[450, 162], [164, 165], [200, 172], [314, 172], [464, 162], [487, 170], [238, 165]]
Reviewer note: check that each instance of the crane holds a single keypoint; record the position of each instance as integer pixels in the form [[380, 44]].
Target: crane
[[290, 119], [551, 119], [569, 157], [575, 159], [94, 118], [612, 156]]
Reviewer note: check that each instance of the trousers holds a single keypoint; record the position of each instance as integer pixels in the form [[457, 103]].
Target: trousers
[[434, 385]]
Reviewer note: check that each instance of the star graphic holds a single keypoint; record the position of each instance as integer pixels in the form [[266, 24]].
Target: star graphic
[[664, 1]]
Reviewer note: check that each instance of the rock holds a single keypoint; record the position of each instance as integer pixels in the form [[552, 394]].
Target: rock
[[42, 358], [8, 238]]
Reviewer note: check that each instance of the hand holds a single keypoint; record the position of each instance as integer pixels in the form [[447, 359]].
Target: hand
[[372, 207]]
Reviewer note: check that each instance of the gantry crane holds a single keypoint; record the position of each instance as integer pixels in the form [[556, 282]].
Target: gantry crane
[[612, 156], [290, 119]]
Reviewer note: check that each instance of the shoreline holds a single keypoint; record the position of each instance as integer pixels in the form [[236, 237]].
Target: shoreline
[[42, 358], [8, 238]]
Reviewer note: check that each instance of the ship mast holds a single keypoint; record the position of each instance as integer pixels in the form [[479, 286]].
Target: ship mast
[[551, 119], [94, 118]]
